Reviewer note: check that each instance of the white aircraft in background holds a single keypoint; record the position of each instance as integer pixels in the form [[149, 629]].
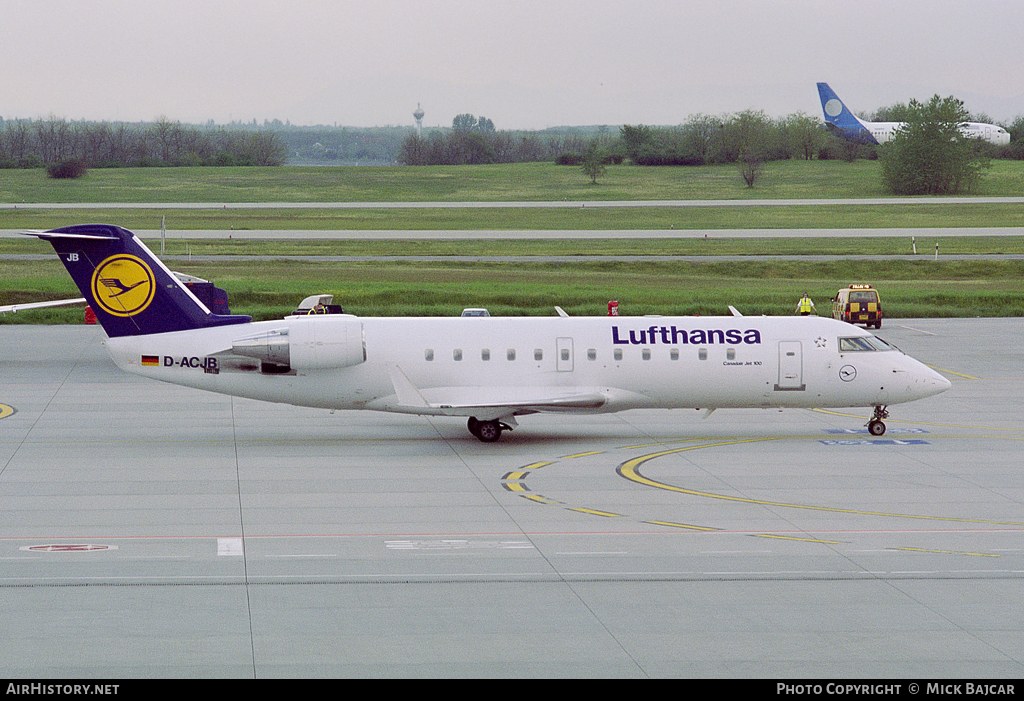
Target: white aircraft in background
[[489, 370], [842, 122]]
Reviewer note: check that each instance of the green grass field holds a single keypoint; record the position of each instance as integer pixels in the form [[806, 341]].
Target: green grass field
[[270, 289], [267, 289], [490, 183], [496, 183]]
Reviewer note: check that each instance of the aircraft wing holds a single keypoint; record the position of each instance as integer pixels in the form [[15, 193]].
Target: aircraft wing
[[15, 308], [481, 401]]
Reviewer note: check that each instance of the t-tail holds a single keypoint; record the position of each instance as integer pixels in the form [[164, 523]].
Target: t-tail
[[130, 289], [838, 118]]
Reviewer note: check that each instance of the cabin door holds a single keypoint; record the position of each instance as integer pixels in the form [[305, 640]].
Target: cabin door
[[791, 367]]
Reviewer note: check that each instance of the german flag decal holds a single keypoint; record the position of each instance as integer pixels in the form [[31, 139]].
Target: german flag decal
[[151, 360]]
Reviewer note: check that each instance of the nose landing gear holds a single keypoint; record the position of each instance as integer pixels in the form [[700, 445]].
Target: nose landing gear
[[876, 427]]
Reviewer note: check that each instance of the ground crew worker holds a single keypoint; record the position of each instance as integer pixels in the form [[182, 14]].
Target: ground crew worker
[[805, 306]]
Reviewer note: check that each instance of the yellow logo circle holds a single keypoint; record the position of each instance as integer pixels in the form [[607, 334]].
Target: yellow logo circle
[[123, 285]]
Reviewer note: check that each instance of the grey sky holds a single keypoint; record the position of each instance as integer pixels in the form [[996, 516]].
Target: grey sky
[[523, 63]]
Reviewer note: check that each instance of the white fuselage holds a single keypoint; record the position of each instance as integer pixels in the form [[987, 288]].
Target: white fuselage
[[497, 367], [992, 133]]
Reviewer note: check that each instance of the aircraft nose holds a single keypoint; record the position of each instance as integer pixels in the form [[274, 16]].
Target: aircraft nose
[[929, 383]]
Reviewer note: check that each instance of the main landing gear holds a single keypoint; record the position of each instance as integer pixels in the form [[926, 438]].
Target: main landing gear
[[875, 426], [487, 431]]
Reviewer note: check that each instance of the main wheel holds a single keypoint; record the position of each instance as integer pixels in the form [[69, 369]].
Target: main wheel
[[488, 431]]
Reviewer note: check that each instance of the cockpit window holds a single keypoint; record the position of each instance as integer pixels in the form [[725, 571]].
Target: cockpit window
[[863, 343]]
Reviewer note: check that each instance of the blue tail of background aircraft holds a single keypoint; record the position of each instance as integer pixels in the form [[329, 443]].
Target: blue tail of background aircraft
[[130, 290], [838, 118]]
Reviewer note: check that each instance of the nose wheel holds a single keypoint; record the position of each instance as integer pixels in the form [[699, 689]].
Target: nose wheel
[[876, 427]]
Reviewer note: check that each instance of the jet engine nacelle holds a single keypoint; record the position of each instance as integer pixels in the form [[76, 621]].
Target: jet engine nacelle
[[308, 343], [318, 343]]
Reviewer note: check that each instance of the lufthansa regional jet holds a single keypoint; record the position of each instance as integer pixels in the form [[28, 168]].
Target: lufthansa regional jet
[[842, 122], [488, 370]]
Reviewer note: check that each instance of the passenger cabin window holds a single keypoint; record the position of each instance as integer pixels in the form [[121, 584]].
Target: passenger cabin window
[[618, 354], [485, 354], [730, 354], [702, 353], [591, 354], [645, 354], [538, 354], [673, 353], [429, 354], [565, 354], [457, 354], [510, 354]]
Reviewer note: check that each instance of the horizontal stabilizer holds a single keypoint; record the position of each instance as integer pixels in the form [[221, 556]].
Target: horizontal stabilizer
[[15, 308], [61, 236]]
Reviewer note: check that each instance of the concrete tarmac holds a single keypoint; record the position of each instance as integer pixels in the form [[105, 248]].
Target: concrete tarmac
[[148, 530]]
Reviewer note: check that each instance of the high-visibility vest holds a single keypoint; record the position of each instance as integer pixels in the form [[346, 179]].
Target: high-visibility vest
[[806, 305]]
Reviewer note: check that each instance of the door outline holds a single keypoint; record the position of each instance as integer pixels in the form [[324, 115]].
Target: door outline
[[791, 367]]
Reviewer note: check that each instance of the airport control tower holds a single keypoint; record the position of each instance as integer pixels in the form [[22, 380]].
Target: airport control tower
[[418, 114]]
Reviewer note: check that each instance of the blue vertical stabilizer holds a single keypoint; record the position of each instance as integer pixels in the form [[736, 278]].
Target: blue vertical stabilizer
[[130, 289], [839, 119]]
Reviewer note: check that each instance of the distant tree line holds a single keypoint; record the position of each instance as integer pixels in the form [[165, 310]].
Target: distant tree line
[[705, 140], [327, 145], [747, 138], [474, 140], [28, 143]]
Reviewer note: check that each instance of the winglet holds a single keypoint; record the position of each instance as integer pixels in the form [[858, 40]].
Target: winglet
[[406, 392]]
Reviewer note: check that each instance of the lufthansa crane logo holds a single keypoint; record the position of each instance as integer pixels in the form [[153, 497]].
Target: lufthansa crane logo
[[123, 285]]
